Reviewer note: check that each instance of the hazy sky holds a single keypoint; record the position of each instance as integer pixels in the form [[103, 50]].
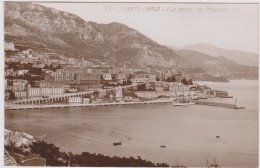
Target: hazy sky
[[230, 26]]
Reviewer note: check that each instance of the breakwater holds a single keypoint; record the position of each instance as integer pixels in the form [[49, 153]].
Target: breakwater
[[217, 104]]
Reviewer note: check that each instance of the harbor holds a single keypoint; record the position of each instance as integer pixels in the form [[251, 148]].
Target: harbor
[[95, 129]]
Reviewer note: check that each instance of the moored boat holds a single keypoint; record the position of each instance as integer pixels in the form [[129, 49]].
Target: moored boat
[[117, 143], [163, 146], [183, 104]]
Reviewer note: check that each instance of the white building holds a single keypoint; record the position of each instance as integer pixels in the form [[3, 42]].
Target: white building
[[107, 76], [152, 77], [20, 94], [19, 85], [121, 78], [22, 72], [119, 93], [74, 100], [49, 91], [178, 87], [85, 100], [139, 80]]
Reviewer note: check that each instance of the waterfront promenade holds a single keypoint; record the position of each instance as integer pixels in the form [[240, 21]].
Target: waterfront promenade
[[206, 103], [18, 107], [62, 97]]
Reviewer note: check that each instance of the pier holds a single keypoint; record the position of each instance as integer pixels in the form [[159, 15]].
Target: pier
[[216, 104]]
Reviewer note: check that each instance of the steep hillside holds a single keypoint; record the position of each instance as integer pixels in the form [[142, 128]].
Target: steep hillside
[[241, 57], [68, 34], [31, 25], [217, 65]]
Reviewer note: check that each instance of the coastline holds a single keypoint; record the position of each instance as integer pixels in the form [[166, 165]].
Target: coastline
[[18, 107]]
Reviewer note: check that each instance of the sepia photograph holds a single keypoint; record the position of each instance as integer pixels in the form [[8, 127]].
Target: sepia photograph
[[130, 84]]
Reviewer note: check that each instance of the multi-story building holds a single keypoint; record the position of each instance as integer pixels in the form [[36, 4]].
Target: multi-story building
[[20, 94], [119, 93], [219, 93], [178, 76], [89, 79], [160, 76], [85, 100], [19, 85], [178, 87], [37, 92], [139, 80], [107, 76], [152, 77], [121, 77], [77, 77], [74, 100], [100, 70], [64, 76]]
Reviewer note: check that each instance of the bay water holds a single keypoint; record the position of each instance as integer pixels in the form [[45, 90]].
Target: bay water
[[189, 132]]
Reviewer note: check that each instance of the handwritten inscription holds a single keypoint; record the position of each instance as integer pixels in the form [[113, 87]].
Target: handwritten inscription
[[208, 9]]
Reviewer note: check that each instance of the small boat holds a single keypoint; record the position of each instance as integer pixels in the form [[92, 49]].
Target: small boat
[[183, 101], [217, 136], [213, 165], [163, 146], [117, 143], [178, 165], [183, 104]]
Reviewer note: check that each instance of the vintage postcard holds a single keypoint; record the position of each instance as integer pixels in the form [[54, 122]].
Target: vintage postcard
[[130, 84]]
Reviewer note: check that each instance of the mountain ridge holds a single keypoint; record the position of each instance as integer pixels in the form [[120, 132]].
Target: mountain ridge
[[239, 56], [68, 33], [29, 24]]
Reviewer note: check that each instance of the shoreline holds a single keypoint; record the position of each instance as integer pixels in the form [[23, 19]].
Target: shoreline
[[16, 107], [204, 103]]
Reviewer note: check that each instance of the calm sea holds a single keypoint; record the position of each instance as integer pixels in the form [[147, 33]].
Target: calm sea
[[188, 132]]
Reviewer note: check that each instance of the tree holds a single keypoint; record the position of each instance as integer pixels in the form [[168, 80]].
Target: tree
[[48, 151], [56, 158], [12, 137], [168, 79], [141, 87], [128, 82], [190, 82], [173, 78], [184, 81], [12, 96], [113, 77]]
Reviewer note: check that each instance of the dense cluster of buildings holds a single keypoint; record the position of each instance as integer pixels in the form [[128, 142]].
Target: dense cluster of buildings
[[69, 80], [23, 90], [77, 75]]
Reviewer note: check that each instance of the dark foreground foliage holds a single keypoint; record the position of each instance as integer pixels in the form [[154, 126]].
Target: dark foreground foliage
[[57, 158]]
